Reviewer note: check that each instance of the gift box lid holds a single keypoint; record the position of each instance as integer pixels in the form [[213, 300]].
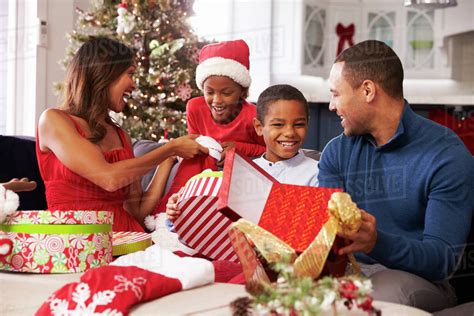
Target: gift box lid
[[129, 242], [60, 217], [58, 222], [293, 213]]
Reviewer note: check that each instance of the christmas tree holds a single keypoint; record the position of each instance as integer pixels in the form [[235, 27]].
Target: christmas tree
[[167, 54]]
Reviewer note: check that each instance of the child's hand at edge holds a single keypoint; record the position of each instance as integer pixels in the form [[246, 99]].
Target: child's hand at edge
[[225, 146], [172, 211], [19, 185]]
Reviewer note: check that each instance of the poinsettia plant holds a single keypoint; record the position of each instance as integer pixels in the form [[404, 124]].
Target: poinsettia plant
[[291, 295]]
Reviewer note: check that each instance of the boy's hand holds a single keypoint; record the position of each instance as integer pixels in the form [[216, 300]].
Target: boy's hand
[[172, 211]]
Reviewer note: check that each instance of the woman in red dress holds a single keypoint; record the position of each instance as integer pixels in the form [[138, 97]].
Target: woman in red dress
[[85, 159]]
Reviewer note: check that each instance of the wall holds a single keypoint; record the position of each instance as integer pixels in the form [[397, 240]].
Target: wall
[[61, 17], [268, 40], [458, 19], [285, 34]]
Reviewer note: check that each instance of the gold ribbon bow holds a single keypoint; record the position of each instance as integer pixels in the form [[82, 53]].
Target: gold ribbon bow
[[344, 217]]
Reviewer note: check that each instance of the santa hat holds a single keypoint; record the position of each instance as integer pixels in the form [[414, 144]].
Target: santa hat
[[230, 59]]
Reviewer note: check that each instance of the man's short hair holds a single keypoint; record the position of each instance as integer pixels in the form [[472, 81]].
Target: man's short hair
[[279, 92], [376, 61]]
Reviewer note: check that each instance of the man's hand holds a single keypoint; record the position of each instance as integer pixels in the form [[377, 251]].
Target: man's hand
[[172, 207], [364, 239]]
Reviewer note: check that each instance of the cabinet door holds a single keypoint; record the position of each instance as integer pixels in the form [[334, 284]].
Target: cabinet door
[[420, 38], [381, 26], [314, 42]]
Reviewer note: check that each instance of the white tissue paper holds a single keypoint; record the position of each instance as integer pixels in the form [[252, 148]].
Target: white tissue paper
[[215, 149]]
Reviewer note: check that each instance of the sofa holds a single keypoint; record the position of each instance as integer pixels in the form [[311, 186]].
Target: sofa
[[18, 159]]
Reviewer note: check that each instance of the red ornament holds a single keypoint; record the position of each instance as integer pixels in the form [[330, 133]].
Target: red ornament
[[367, 304], [345, 35], [348, 289]]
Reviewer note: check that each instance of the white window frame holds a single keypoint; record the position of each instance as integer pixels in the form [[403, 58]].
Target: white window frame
[[25, 68]]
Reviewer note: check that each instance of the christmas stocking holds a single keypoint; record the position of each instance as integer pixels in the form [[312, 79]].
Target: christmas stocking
[[130, 280]]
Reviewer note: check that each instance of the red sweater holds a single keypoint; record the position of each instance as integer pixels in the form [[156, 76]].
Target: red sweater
[[240, 130]]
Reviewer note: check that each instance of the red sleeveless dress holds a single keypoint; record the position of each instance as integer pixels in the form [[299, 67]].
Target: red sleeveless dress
[[66, 190]]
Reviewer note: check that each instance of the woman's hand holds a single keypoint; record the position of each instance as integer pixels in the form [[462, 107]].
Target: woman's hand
[[172, 207], [187, 147]]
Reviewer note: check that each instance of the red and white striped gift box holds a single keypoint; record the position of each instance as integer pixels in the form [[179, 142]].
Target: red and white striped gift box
[[211, 201], [200, 225]]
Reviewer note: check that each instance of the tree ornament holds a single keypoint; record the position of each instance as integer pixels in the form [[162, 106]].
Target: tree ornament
[[156, 23], [137, 41], [165, 5], [193, 54], [125, 20], [184, 91], [151, 4]]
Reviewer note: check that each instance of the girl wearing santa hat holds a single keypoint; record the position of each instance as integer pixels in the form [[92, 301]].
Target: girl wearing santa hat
[[223, 113]]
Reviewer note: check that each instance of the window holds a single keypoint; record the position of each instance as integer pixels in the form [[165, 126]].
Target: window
[[213, 19], [3, 65]]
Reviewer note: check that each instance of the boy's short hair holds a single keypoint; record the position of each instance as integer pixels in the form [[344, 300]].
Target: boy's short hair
[[376, 61], [276, 93]]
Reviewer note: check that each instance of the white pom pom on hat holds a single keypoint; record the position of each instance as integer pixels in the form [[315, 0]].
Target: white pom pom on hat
[[229, 58]]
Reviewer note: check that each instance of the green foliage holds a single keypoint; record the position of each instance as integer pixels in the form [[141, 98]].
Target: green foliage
[[292, 295]]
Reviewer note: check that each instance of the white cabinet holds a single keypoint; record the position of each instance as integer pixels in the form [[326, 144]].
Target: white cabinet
[[308, 28], [299, 38], [314, 42]]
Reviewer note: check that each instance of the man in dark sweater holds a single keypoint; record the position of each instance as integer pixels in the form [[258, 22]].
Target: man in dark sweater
[[413, 177]]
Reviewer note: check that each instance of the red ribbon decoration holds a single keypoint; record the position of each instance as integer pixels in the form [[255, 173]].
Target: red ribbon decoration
[[345, 34]]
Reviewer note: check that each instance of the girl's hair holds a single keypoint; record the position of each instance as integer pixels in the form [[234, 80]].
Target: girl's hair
[[98, 63]]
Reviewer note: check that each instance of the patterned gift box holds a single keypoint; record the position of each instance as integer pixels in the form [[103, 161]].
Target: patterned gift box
[[58, 241], [128, 242]]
